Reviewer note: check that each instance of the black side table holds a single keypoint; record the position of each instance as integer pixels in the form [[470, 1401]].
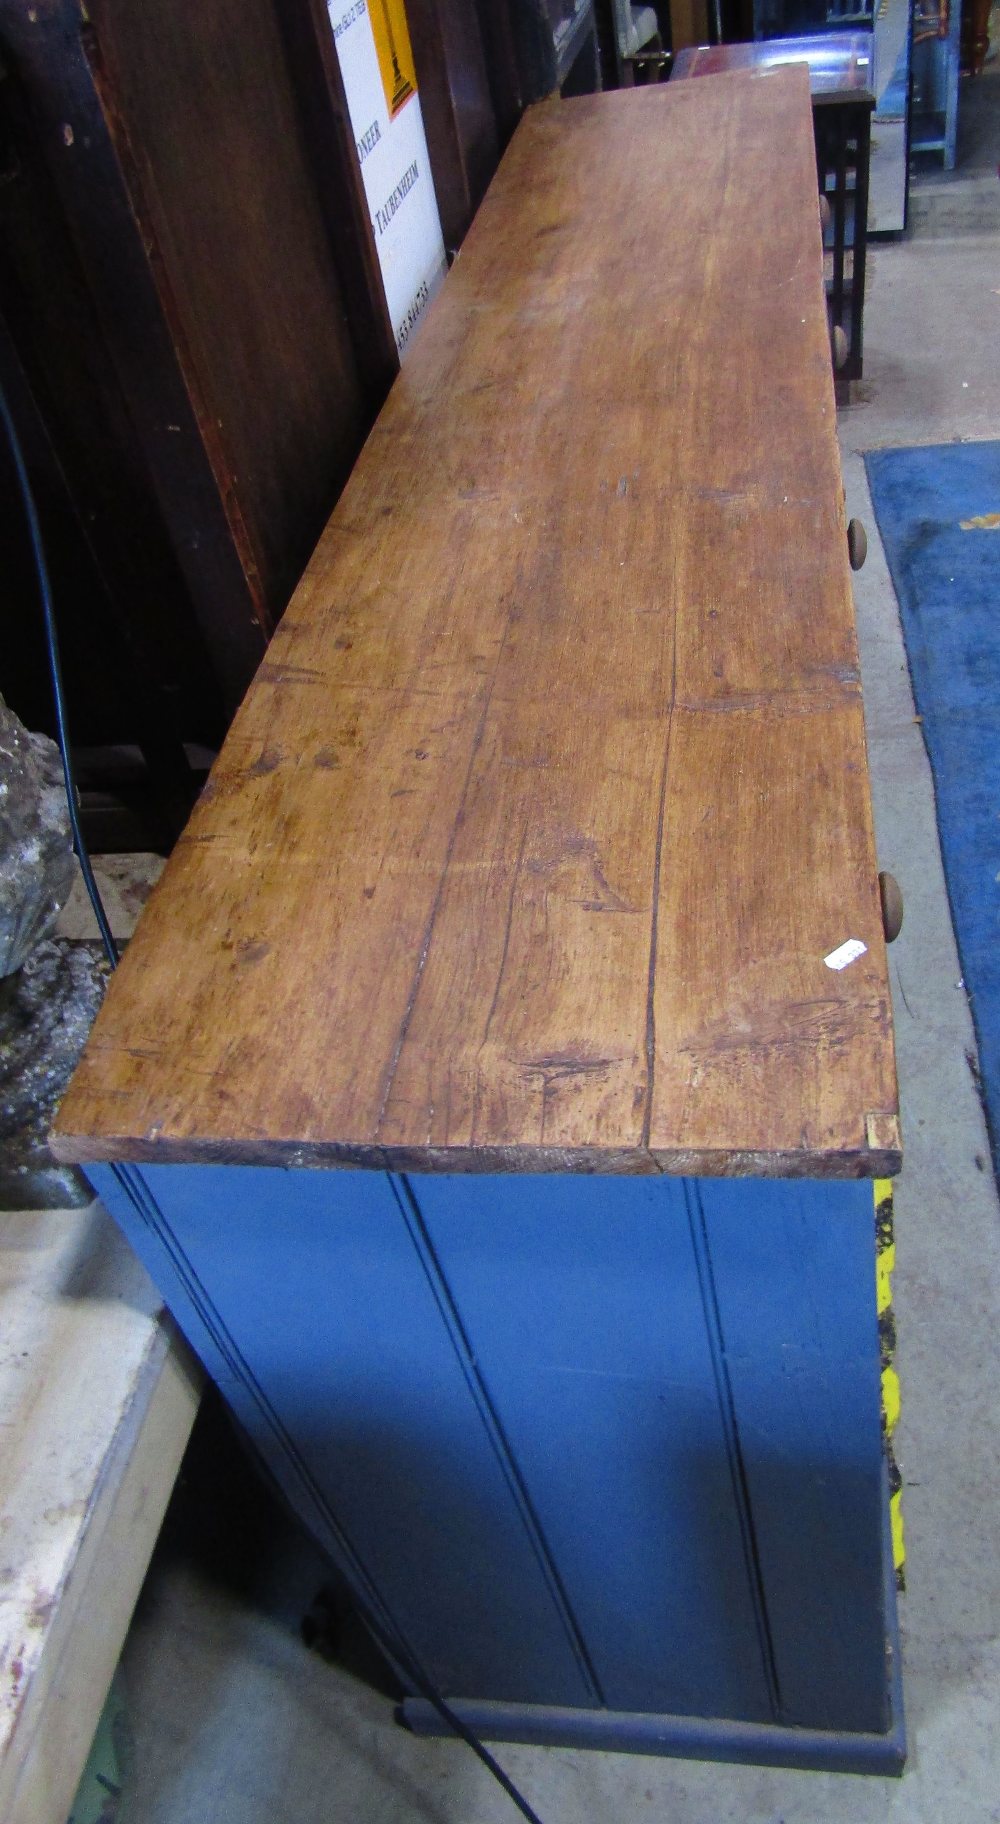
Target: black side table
[[840, 81]]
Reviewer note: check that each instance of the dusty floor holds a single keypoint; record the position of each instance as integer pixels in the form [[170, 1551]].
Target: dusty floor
[[235, 1722]]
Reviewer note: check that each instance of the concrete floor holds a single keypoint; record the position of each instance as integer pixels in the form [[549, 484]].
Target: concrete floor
[[234, 1720]]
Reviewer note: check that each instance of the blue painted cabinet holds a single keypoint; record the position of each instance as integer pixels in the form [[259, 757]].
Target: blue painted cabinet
[[603, 1452], [527, 865]]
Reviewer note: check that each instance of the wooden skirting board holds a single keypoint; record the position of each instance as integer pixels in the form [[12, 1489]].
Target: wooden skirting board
[[98, 1395]]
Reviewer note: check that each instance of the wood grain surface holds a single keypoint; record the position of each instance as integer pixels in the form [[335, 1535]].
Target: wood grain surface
[[550, 799], [210, 127]]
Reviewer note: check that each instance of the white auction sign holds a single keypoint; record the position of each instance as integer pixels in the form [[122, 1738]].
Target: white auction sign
[[376, 61]]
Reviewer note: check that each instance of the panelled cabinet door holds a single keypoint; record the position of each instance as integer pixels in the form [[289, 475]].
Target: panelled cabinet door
[[588, 1316], [593, 1441], [306, 1295]]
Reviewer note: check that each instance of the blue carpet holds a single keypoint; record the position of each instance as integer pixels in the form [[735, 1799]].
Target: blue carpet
[[947, 582]]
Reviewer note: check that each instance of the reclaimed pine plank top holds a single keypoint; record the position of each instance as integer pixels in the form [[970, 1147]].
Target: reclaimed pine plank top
[[530, 839]]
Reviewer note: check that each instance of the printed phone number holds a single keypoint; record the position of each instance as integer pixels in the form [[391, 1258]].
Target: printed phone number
[[408, 323], [348, 19]]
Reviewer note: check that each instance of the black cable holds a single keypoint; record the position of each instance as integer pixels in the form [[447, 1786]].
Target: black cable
[[55, 668], [397, 1650], [395, 1647]]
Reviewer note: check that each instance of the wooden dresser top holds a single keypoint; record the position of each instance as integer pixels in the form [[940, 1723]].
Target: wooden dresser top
[[528, 844]]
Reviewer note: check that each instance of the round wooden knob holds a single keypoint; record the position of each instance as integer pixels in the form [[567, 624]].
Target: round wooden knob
[[825, 217], [857, 544], [838, 346], [892, 907]]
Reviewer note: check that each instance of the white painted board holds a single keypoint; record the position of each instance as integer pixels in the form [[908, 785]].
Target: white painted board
[[97, 1397], [376, 63]]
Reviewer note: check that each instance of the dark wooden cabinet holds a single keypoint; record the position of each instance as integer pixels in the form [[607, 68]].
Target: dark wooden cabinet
[[193, 330], [194, 341], [232, 364], [463, 138]]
